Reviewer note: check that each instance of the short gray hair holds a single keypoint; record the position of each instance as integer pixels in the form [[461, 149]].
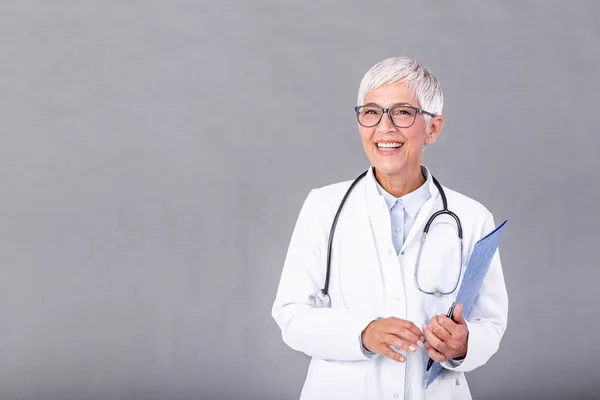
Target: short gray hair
[[411, 72]]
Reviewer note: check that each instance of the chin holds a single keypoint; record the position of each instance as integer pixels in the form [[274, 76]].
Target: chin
[[389, 169]]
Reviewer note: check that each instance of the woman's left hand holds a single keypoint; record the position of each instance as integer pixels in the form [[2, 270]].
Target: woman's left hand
[[447, 338]]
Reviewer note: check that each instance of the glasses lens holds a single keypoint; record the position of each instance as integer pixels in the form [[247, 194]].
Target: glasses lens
[[402, 116], [369, 116]]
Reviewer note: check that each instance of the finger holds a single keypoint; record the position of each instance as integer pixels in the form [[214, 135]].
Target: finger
[[448, 324], [434, 341], [457, 331], [458, 315], [391, 354], [407, 331], [440, 330], [415, 331], [434, 354], [399, 343]]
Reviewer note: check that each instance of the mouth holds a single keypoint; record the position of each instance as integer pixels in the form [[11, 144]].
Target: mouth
[[389, 147]]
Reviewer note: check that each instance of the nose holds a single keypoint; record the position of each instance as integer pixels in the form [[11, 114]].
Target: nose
[[386, 125]]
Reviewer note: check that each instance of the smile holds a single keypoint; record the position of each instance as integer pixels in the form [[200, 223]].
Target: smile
[[389, 148]]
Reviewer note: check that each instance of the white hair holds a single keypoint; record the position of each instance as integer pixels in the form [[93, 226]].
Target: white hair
[[419, 79]]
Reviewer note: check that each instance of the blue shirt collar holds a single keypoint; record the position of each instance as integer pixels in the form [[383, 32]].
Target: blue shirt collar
[[412, 201]]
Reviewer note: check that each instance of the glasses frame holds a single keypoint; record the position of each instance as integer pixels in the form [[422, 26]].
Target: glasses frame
[[387, 111]]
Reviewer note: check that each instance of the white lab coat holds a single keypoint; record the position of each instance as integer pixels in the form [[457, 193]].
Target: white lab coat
[[369, 280]]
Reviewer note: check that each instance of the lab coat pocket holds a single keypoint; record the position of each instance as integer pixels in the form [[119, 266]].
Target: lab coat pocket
[[328, 380], [448, 374], [450, 385]]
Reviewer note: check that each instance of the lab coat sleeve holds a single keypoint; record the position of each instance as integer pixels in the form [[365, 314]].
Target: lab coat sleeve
[[488, 319], [326, 333]]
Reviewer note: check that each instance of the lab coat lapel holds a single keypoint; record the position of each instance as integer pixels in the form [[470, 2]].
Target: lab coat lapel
[[361, 285], [418, 300], [379, 214], [379, 218]]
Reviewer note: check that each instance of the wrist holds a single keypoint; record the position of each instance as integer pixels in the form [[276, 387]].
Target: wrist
[[363, 335]]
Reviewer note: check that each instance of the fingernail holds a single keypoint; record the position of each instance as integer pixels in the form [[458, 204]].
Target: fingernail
[[424, 326], [419, 343], [412, 348], [401, 359]]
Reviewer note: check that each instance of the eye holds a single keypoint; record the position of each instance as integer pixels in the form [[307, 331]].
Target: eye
[[370, 111], [403, 111]]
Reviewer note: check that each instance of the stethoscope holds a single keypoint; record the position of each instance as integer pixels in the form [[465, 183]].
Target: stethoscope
[[322, 298]]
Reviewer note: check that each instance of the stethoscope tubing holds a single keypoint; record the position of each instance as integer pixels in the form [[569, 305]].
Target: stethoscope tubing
[[323, 294]]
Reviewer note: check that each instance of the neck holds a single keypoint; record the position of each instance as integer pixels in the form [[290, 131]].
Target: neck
[[399, 185]]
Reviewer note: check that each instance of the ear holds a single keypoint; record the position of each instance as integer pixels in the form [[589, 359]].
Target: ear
[[435, 127]]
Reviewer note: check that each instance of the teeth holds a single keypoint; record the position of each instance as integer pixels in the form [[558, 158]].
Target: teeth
[[388, 145]]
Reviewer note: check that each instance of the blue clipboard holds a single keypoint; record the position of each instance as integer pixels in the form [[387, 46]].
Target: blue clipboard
[[477, 269]]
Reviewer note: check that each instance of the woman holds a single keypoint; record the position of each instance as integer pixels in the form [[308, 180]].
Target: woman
[[373, 334]]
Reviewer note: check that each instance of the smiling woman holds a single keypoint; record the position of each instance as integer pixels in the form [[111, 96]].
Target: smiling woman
[[397, 170], [415, 100], [369, 324]]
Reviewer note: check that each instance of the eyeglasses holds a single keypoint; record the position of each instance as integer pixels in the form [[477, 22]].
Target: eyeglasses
[[401, 116]]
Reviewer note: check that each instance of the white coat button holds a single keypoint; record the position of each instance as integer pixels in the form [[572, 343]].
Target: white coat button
[[390, 252], [402, 253], [395, 394]]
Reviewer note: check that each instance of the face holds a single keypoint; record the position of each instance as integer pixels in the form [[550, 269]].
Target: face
[[397, 151]]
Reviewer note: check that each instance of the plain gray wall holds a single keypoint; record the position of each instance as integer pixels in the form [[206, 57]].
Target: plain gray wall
[[154, 156]]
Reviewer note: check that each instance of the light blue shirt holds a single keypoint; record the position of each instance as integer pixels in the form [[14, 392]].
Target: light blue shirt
[[403, 210]]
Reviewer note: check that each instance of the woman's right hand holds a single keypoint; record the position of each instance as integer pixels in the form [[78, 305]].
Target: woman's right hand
[[380, 334]]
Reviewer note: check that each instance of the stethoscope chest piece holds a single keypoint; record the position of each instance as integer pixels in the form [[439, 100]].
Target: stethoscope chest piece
[[322, 300]]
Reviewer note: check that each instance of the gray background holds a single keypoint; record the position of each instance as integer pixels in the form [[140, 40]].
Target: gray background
[[154, 156]]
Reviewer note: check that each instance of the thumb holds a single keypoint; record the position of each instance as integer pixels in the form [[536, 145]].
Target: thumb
[[458, 315]]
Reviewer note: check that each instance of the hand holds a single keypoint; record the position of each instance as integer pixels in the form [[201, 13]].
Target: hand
[[447, 339], [380, 334]]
